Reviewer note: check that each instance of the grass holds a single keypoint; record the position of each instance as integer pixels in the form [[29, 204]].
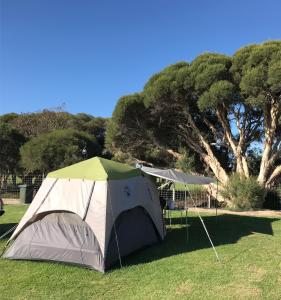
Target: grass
[[250, 268]]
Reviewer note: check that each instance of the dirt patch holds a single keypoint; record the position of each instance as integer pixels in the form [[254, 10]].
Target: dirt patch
[[256, 273], [239, 291], [255, 213], [184, 288], [11, 201]]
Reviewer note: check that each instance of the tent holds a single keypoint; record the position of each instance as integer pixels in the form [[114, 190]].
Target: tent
[[92, 214]]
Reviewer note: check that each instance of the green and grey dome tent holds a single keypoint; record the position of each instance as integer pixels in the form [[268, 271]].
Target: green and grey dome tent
[[92, 214]]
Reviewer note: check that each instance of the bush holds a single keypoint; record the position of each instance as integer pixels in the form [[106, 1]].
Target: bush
[[273, 199], [244, 193]]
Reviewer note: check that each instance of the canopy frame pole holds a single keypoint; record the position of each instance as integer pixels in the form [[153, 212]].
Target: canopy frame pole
[[185, 208], [217, 199], [205, 228]]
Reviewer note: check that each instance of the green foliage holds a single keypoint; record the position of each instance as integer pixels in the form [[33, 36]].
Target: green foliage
[[220, 92], [186, 163], [33, 124], [57, 149], [244, 193], [126, 131], [24, 127], [11, 141], [257, 69], [273, 199]]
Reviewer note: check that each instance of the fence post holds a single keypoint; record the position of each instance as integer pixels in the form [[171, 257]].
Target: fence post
[[209, 201]]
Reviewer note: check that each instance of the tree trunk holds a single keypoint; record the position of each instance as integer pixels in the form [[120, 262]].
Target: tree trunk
[[236, 147], [274, 175], [216, 167], [271, 115], [207, 154]]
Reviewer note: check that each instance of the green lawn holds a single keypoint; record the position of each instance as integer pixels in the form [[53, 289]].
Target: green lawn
[[249, 247]]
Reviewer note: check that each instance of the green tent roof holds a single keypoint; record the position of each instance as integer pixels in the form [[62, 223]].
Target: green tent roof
[[98, 169]]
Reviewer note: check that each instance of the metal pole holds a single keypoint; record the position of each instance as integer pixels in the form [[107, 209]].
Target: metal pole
[[217, 256], [217, 199], [185, 207]]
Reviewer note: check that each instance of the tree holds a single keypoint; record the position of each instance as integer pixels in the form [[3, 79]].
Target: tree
[[11, 141], [128, 133], [34, 124], [217, 106], [57, 149], [257, 69], [93, 125]]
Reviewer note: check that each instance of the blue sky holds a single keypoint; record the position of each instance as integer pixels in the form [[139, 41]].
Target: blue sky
[[87, 54]]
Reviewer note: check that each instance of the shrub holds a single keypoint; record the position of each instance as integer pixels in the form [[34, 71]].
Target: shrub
[[273, 199], [244, 193]]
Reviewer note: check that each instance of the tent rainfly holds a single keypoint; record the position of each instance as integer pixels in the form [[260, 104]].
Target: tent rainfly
[[91, 214]]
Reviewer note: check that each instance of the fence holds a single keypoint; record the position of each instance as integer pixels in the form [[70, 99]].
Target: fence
[[180, 196], [193, 195], [10, 184]]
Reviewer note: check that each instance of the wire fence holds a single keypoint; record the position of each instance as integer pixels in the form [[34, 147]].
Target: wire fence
[[177, 196], [11, 185]]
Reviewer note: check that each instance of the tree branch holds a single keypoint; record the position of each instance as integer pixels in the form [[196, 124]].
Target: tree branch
[[274, 175]]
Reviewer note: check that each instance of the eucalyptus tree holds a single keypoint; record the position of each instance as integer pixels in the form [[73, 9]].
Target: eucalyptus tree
[[257, 70]]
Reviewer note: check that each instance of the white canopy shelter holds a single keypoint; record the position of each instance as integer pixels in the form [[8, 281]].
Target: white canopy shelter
[[176, 176]]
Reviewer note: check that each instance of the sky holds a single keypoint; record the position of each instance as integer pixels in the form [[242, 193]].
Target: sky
[[84, 55]]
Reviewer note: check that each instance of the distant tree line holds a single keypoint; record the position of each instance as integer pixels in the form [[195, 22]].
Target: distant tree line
[[40, 142]]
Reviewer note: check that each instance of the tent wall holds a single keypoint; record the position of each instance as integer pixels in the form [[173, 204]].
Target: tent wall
[[45, 188], [61, 237], [134, 230], [124, 195]]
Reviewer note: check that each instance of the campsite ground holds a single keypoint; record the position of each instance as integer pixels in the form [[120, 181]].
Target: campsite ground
[[249, 248]]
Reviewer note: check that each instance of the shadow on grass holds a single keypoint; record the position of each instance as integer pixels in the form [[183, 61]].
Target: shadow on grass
[[6, 227], [223, 229]]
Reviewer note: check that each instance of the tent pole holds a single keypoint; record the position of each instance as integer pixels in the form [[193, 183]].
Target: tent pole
[[217, 256]]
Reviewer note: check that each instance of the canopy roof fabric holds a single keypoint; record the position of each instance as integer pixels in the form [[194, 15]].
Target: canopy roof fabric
[[97, 169], [176, 176]]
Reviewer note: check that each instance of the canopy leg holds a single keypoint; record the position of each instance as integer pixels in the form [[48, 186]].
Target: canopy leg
[[215, 251]]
